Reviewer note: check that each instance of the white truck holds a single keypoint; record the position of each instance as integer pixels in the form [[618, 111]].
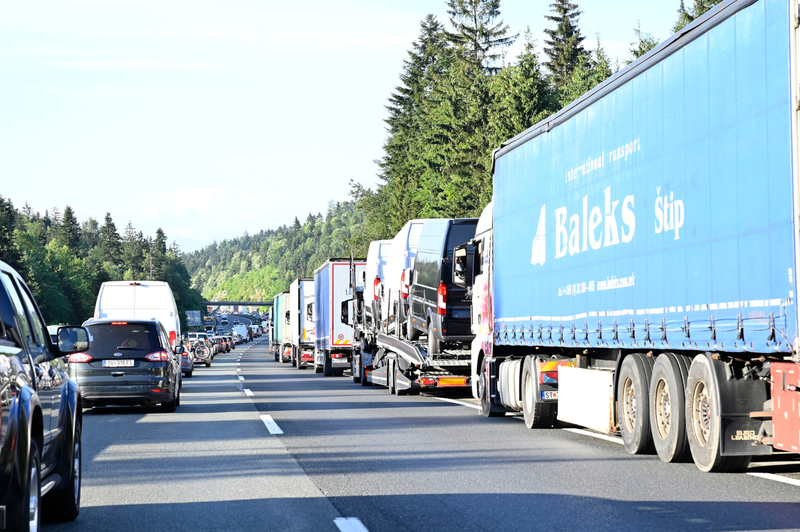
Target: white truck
[[301, 322]]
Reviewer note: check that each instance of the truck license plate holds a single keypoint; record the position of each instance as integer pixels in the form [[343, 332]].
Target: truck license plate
[[117, 363], [549, 395]]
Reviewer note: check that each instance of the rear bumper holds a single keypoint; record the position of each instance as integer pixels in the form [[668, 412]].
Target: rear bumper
[[124, 395]]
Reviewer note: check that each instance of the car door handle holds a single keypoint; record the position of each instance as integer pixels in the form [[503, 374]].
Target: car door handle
[[117, 373]]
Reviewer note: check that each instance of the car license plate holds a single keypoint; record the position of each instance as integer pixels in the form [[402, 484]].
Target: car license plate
[[117, 363], [549, 395]]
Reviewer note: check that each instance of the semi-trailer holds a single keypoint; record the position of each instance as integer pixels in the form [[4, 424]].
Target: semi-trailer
[[636, 270], [332, 292], [282, 338], [301, 322]]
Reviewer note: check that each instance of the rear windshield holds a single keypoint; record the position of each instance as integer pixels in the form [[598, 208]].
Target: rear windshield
[[129, 339]]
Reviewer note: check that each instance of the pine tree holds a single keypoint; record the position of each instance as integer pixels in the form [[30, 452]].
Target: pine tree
[[477, 31], [644, 43], [9, 250], [133, 253], [110, 249], [70, 231], [594, 70], [565, 43], [90, 236], [687, 16]]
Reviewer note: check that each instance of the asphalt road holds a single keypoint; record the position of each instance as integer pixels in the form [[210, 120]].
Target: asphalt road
[[394, 463]]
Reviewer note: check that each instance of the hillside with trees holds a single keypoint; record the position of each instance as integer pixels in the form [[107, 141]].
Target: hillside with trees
[[64, 262]]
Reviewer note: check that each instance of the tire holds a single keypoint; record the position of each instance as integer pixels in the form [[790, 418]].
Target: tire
[[411, 333], [434, 345], [633, 411], [703, 424], [390, 376], [356, 370], [65, 504], [189, 374], [208, 363], [668, 409], [317, 369], [537, 414], [327, 364], [171, 406], [28, 514], [488, 409]]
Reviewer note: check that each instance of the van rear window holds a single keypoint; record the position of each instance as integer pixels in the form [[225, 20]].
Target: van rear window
[[132, 340]]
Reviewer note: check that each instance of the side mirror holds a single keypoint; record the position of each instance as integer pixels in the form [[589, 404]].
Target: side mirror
[[310, 311], [346, 311], [286, 317], [463, 265], [72, 340], [179, 350]]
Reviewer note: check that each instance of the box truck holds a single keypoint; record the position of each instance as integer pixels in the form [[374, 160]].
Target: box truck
[[282, 340], [332, 293], [636, 271], [301, 322]]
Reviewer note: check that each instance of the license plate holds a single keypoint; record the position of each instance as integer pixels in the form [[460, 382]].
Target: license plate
[[549, 395], [117, 363]]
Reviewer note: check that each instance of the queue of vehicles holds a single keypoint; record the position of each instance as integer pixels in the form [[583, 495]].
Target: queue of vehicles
[[678, 333]]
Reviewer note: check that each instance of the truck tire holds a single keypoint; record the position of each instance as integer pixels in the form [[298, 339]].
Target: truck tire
[[538, 415], [488, 409], [633, 412], [703, 424], [390, 376], [434, 345], [327, 364], [65, 504], [411, 333], [668, 409], [362, 370]]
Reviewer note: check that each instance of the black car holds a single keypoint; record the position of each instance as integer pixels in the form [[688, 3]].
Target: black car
[[130, 362], [438, 307], [40, 411]]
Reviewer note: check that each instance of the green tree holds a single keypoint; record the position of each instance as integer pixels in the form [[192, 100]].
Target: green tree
[[70, 231], [644, 43], [9, 250], [90, 236], [564, 43], [595, 70], [687, 16], [477, 31], [110, 243]]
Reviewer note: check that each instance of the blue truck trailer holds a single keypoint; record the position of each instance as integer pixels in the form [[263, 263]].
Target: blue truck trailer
[[636, 270]]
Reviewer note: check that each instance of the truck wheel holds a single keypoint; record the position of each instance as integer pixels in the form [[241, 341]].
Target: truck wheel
[[66, 502], [362, 371], [633, 405], [327, 364], [667, 408], [538, 415], [703, 423], [390, 376], [356, 370], [488, 409], [434, 345], [411, 333]]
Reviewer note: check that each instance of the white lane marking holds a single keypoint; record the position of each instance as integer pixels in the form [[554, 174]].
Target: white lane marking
[[350, 524], [248, 393], [777, 478], [461, 403], [596, 435], [241, 378], [272, 427]]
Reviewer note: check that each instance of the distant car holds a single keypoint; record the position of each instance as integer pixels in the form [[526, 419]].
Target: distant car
[[224, 343], [231, 339], [236, 322], [130, 362], [187, 359]]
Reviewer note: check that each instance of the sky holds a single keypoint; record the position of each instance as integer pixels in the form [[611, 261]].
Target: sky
[[211, 118]]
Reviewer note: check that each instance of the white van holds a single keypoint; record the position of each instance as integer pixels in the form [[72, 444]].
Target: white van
[[140, 300]]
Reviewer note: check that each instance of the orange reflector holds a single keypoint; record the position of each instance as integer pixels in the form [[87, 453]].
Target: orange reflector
[[452, 381]]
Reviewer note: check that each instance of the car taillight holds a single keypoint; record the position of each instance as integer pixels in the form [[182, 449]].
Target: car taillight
[[80, 357], [442, 303], [403, 286], [158, 356], [375, 285]]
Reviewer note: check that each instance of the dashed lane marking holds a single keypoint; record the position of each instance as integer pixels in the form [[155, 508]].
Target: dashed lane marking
[[248, 393], [461, 403], [241, 378], [350, 524], [596, 435], [272, 427], [777, 478]]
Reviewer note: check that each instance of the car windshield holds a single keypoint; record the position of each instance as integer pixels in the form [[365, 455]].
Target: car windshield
[[130, 339]]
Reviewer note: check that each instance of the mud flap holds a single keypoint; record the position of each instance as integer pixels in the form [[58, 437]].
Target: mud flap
[[379, 376]]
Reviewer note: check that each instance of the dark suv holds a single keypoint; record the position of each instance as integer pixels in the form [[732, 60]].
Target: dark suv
[[131, 362], [438, 307], [40, 411]]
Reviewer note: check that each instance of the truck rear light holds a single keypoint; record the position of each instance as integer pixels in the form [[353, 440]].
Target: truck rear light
[[80, 357], [375, 284], [442, 304], [336, 355], [548, 377], [428, 381], [403, 286], [158, 356], [172, 338]]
